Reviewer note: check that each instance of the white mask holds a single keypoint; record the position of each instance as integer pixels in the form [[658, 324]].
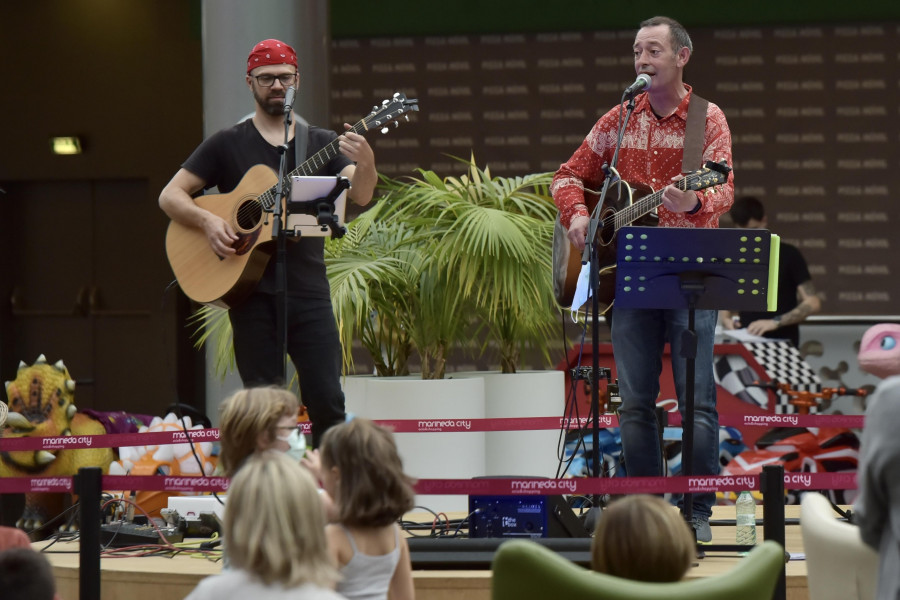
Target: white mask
[[297, 443]]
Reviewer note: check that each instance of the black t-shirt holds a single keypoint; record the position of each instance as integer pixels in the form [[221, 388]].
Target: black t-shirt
[[223, 159], [792, 272]]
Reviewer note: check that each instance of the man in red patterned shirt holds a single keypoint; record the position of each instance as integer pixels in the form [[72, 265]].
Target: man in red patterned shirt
[[651, 154]]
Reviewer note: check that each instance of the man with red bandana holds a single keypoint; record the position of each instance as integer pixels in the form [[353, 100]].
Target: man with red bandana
[[221, 161], [651, 154]]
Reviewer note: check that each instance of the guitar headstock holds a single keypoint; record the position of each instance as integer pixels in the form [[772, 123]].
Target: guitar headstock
[[389, 112], [712, 174]]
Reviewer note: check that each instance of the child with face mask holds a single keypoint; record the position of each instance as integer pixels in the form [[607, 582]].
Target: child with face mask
[[255, 420], [259, 420]]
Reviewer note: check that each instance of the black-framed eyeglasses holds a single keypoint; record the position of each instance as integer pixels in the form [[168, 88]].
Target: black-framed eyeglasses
[[269, 80]]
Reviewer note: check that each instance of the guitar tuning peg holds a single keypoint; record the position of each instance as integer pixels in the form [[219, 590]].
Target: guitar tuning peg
[[406, 117], [384, 129], [375, 108]]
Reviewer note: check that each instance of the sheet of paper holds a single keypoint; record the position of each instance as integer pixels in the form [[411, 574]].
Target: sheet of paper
[[582, 291], [742, 335]]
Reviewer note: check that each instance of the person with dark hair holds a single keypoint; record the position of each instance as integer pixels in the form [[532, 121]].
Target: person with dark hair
[[223, 160], [642, 537], [797, 297], [26, 574], [653, 154], [360, 468]]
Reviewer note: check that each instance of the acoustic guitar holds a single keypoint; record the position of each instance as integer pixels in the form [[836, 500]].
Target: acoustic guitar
[[625, 204], [208, 278]]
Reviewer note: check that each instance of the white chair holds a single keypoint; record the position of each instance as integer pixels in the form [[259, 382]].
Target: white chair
[[839, 565]]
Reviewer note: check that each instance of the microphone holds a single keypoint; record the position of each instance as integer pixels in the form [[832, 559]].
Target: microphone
[[289, 99], [642, 82]]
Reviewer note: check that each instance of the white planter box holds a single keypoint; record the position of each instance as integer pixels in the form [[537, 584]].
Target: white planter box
[[427, 455], [466, 396], [517, 395]]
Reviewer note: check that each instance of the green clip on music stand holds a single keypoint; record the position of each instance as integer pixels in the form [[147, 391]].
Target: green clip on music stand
[[709, 269]]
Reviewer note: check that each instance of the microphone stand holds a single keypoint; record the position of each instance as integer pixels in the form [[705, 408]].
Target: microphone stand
[[280, 237], [591, 253]]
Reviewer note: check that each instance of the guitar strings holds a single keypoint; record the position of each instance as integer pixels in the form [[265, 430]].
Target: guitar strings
[[264, 202], [251, 210]]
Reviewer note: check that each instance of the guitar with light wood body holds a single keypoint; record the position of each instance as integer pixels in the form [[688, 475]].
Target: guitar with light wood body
[[208, 278]]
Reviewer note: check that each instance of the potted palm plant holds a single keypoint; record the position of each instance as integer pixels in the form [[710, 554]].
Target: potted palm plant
[[440, 261], [452, 262]]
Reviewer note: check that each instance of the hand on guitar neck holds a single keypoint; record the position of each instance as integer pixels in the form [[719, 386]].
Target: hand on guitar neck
[[677, 200], [673, 198]]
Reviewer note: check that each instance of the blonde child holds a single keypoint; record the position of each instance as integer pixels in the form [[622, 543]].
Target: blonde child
[[360, 469], [276, 536], [642, 537]]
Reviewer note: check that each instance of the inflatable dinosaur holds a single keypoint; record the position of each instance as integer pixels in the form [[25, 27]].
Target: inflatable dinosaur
[[41, 404]]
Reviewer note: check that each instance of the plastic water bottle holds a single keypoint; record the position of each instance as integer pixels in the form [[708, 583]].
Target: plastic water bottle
[[745, 508]]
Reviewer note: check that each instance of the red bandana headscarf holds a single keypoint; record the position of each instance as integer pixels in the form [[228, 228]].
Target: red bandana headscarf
[[271, 52]]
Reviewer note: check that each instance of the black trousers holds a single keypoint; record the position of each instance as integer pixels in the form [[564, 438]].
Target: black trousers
[[312, 343]]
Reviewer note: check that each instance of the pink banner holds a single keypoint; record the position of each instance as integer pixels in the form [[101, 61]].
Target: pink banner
[[119, 440], [631, 485], [505, 486]]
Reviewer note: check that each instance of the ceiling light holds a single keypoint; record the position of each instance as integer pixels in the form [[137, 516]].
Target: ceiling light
[[66, 145]]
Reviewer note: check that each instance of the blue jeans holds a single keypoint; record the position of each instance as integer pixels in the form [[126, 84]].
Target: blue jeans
[[638, 337]]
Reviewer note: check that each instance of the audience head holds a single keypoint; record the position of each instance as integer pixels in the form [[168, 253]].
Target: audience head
[[363, 473], [748, 213], [252, 420], [275, 525], [26, 574], [644, 538]]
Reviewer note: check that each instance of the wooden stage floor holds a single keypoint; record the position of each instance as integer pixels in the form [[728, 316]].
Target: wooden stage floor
[[159, 578]]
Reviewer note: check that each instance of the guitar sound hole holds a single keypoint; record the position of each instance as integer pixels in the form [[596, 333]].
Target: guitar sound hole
[[249, 215]]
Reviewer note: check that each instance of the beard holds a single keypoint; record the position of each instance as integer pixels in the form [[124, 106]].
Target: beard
[[272, 106]]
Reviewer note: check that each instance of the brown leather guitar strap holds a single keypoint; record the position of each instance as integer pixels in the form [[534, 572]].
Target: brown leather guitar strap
[[694, 134]]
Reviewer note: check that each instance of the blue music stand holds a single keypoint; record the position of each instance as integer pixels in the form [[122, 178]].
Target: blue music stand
[[707, 269]]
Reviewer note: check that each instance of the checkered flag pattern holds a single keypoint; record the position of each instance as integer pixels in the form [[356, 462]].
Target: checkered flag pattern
[[783, 363]]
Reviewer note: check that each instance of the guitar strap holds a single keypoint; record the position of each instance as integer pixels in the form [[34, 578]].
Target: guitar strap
[[301, 139], [694, 134]]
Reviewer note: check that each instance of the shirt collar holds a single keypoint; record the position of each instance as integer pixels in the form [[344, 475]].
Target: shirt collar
[[643, 104]]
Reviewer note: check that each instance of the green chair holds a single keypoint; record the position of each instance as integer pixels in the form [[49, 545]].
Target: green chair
[[525, 570]]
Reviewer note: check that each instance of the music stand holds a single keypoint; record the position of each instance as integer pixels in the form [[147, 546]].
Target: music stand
[[317, 206], [313, 207], [708, 269]]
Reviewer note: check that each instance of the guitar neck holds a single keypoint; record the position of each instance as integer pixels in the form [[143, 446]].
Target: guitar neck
[[645, 205], [311, 165]]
